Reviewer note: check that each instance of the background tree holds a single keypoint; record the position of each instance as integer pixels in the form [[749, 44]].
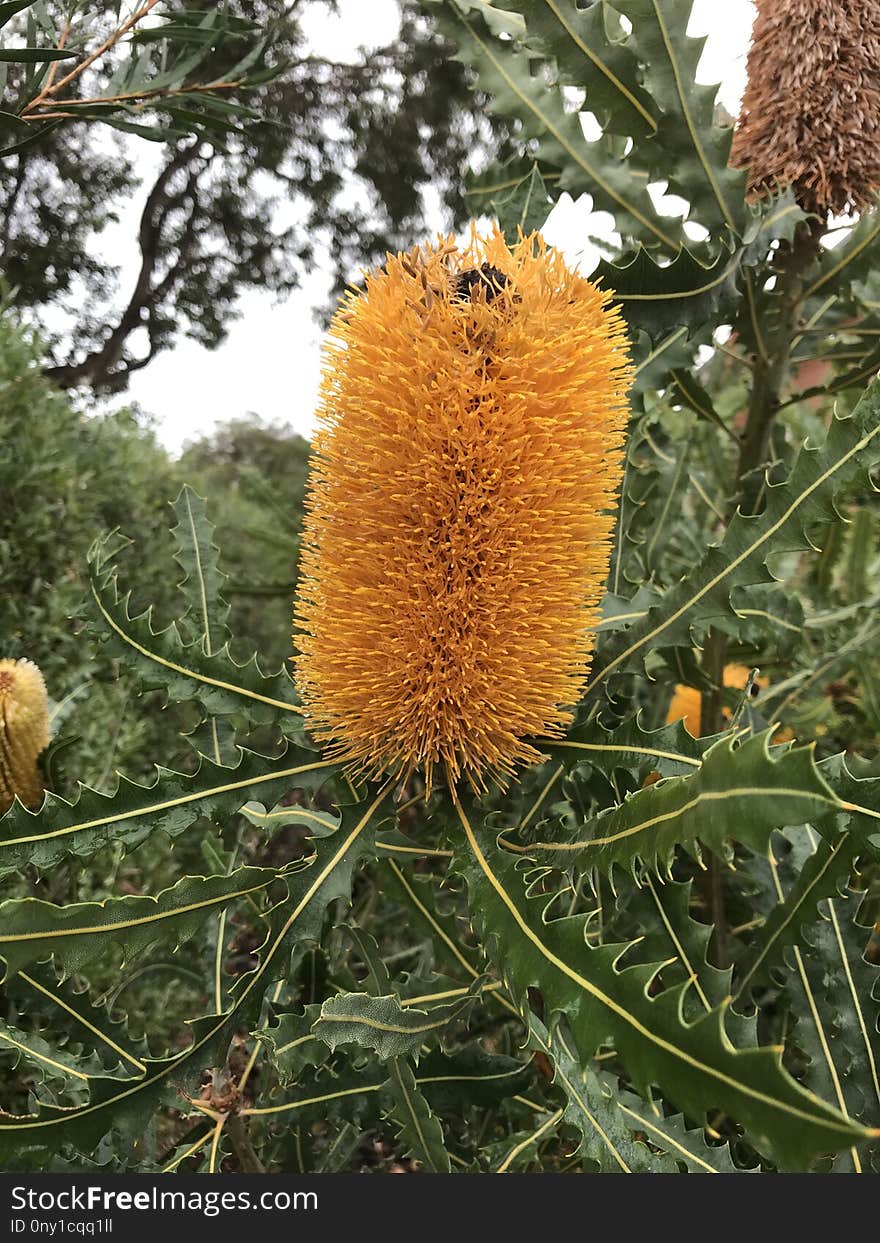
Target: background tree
[[61, 472], [260, 471], [349, 158], [65, 474]]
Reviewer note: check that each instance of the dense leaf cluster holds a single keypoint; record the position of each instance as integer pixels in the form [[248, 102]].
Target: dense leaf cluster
[[654, 951]]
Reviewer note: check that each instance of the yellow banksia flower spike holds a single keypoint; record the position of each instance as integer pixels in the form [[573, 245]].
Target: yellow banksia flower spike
[[810, 115], [460, 508], [687, 702], [24, 732]]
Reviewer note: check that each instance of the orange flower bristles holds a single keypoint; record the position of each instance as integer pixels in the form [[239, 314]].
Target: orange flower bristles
[[24, 732], [461, 505]]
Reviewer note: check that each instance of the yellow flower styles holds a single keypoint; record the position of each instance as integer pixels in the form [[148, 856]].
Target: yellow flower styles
[[461, 505]]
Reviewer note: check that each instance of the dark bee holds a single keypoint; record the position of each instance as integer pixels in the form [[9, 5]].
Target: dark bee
[[486, 277]]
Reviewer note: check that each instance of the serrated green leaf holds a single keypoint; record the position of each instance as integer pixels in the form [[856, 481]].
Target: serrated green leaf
[[419, 1131], [682, 1143], [64, 1009], [690, 148], [517, 202], [76, 933], [470, 1076], [501, 21], [694, 1064], [614, 1124], [764, 611], [467, 1076], [382, 1024], [199, 558], [51, 1064], [686, 293], [291, 1044], [852, 260], [740, 792], [670, 750], [663, 910], [688, 389], [504, 72], [838, 1012], [821, 877], [792, 509], [161, 659], [577, 39], [134, 812], [329, 877], [605, 1138], [327, 1095], [207, 615], [653, 362], [849, 988]]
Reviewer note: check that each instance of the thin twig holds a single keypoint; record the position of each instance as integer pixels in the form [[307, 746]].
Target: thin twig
[[120, 99], [140, 96], [51, 89], [53, 68], [247, 1157]]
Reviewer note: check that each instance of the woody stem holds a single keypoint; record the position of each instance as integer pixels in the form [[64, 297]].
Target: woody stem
[[771, 367]]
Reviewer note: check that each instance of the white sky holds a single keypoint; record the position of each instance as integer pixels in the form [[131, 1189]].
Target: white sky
[[270, 362]]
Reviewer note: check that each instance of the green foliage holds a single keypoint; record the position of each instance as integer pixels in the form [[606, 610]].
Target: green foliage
[[167, 73], [70, 473], [382, 977], [66, 475], [261, 471], [253, 144], [739, 792], [544, 935]]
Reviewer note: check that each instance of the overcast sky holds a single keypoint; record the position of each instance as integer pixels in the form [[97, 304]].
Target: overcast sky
[[270, 362]]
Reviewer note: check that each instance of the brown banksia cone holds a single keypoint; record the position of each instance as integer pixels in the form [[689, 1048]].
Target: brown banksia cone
[[811, 111], [460, 508], [24, 732]]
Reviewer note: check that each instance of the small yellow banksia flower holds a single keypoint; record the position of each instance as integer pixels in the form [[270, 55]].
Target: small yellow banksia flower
[[24, 732], [811, 111], [687, 702], [460, 508]]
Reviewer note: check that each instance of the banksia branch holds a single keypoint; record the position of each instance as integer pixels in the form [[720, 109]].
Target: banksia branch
[[461, 506], [24, 732], [811, 111]]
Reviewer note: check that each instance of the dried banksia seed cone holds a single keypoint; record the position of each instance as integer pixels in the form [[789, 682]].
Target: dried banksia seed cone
[[460, 508], [24, 732], [811, 112]]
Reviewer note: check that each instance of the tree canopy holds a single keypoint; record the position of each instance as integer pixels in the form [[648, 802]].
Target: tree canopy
[[335, 158]]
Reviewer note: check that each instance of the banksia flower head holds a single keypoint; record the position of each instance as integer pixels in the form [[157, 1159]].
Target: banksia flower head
[[811, 112], [24, 732], [457, 533]]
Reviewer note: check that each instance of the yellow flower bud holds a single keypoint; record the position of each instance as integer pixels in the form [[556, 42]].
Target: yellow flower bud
[[461, 505], [24, 732]]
